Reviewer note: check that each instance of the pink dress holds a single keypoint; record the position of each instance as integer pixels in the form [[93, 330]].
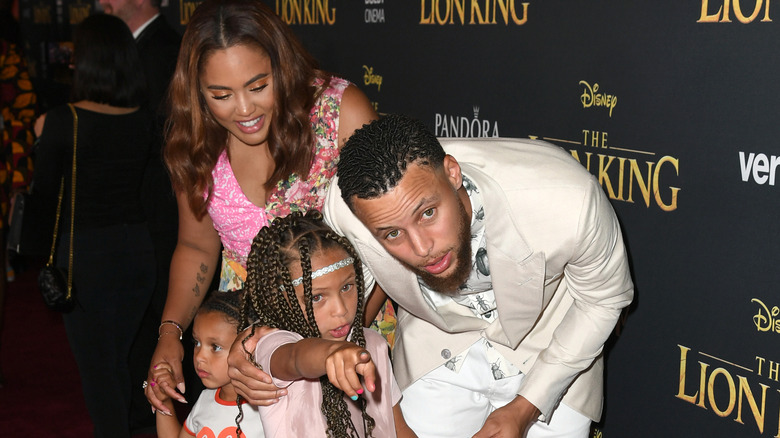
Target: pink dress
[[237, 219], [298, 414]]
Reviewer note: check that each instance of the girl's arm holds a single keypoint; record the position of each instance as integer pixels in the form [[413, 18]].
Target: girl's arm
[[313, 357], [374, 304], [402, 429], [168, 426], [193, 266]]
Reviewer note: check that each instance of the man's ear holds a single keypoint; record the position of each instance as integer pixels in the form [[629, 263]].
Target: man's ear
[[452, 171]]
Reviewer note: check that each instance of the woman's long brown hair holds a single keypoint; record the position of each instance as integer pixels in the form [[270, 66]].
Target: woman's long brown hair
[[194, 140]]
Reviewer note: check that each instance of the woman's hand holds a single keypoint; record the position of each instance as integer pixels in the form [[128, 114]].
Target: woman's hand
[[345, 363], [250, 382], [168, 356]]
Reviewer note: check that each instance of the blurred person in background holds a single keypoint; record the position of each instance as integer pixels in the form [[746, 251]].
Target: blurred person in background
[[113, 256], [17, 113], [158, 48]]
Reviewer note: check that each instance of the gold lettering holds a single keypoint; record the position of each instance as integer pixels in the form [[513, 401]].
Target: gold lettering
[[651, 183], [504, 6], [744, 389], [524, 20], [475, 11], [604, 176], [711, 393], [591, 97], [741, 17], [683, 363], [306, 12], [704, 18], [726, 11], [736, 5], [766, 320], [673, 205], [644, 188], [620, 178], [447, 15], [186, 9], [774, 370], [760, 364], [460, 6], [370, 78], [441, 12], [423, 18]]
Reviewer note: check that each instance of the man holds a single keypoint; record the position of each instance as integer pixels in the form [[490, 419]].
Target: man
[[158, 47], [158, 43], [508, 264]]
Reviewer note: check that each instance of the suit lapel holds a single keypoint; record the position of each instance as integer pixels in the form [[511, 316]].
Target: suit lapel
[[516, 270]]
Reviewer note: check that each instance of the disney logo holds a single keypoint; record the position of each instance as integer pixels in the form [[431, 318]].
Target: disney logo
[[591, 97], [370, 78], [766, 320]]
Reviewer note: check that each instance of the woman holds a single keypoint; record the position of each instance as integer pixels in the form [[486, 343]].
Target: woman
[[113, 264], [254, 133]]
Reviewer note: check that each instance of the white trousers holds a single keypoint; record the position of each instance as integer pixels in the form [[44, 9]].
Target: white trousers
[[445, 404]]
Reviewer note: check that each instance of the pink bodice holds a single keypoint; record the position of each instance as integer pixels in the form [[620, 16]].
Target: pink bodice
[[237, 219]]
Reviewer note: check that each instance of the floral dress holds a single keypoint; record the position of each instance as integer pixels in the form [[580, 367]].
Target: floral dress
[[238, 220]]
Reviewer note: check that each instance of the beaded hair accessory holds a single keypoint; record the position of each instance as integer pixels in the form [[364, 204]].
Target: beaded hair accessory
[[326, 270]]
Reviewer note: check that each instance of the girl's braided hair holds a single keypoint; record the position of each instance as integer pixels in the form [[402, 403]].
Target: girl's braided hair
[[227, 303], [293, 239]]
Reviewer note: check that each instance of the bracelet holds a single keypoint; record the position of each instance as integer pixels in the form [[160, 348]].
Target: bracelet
[[173, 323]]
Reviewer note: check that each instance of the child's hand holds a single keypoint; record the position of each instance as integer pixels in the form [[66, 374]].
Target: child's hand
[[163, 376], [345, 363]]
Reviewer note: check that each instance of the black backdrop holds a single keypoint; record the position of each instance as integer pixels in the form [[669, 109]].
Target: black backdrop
[[673, 105]]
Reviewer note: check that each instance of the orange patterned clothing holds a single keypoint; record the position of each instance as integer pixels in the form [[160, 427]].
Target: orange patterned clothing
[[17, 114]]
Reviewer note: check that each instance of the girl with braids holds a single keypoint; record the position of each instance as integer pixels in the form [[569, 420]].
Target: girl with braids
[[214, 414], [306, 281], [254, 133]]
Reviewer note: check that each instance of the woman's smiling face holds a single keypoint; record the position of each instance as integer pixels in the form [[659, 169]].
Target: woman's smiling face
[[237, 84]]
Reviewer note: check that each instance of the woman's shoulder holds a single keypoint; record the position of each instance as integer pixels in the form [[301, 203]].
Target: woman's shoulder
[[55, 118]]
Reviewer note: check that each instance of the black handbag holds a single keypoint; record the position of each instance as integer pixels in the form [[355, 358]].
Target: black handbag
[[56, 284]]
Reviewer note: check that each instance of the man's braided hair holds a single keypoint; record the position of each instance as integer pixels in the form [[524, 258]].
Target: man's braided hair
[[293, 239]]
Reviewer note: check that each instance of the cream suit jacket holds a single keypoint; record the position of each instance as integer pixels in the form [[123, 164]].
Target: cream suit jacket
[[558, 264]]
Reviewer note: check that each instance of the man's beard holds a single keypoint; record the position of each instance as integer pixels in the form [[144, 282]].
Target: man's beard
[[449, 285]]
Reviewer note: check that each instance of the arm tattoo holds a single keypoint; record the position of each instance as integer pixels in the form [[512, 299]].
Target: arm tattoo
[[200, 279]]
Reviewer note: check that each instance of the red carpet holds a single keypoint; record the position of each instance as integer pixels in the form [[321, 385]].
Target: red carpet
[[42, 392]]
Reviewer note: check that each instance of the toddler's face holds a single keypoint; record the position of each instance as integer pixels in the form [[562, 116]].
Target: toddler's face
[[334, 295], [213, 335]]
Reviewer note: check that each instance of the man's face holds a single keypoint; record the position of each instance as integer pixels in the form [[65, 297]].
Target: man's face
[[124, 9], [424, 222]]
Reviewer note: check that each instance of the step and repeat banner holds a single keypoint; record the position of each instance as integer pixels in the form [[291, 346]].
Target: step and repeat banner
[[674, 106]]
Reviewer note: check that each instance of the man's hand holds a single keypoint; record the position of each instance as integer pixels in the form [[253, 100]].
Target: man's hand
[[511, 421], [251, 383]]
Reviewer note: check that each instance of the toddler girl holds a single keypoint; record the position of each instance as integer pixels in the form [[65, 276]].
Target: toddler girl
[[214, 414], [306, 281]]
